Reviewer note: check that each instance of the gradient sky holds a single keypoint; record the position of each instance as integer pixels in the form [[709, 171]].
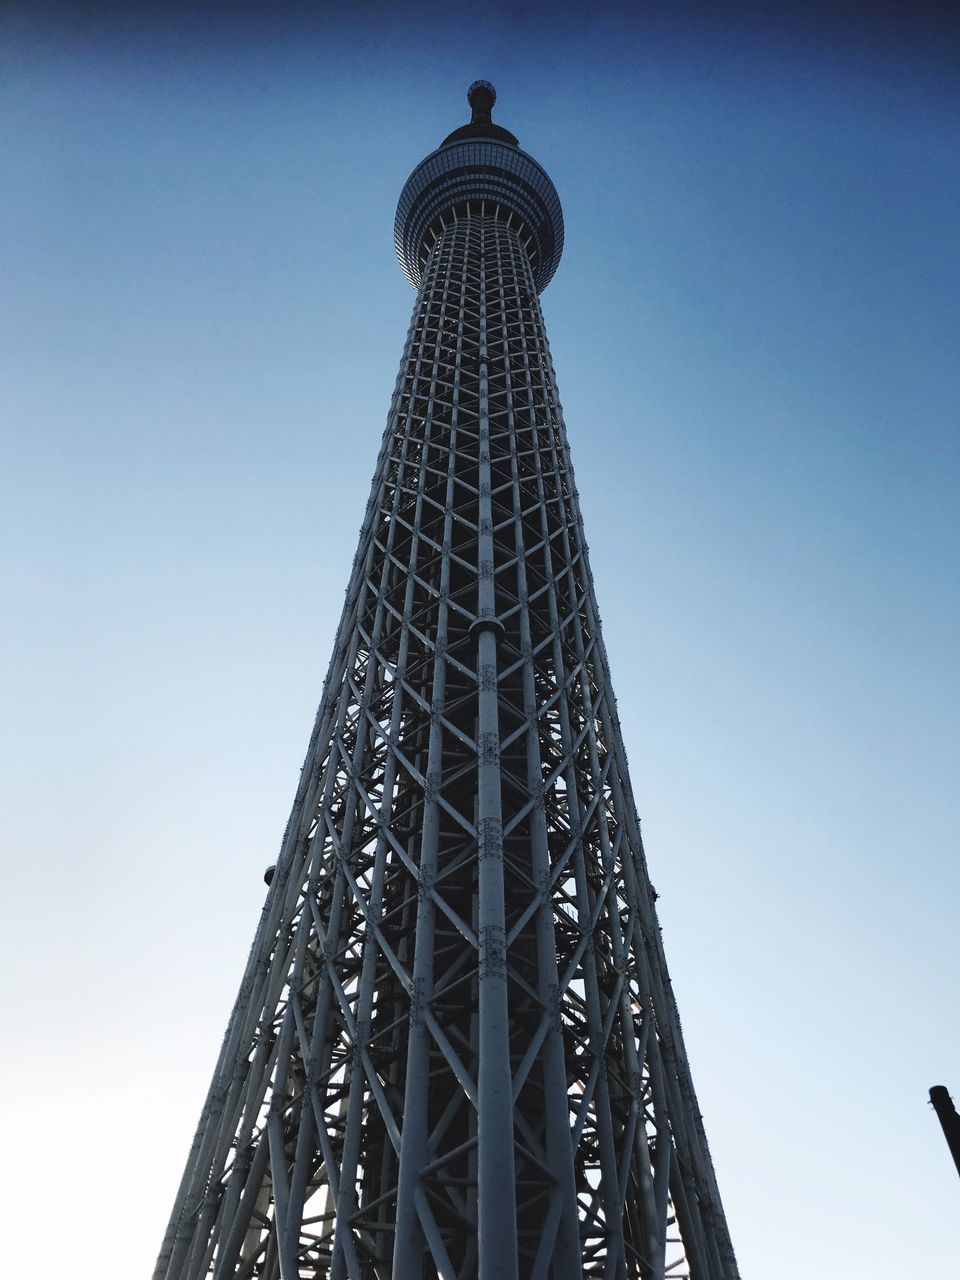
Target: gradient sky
[[755, 330]]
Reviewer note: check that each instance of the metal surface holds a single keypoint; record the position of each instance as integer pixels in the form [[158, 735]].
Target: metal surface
[[455, 1051]]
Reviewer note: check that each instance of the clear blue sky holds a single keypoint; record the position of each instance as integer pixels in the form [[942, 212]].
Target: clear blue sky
[[755, 330]]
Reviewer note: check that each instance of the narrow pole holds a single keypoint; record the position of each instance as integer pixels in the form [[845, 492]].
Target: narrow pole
[[949, 1120]]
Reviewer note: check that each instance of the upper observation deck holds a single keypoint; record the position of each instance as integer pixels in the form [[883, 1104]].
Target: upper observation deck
[[479, 165]]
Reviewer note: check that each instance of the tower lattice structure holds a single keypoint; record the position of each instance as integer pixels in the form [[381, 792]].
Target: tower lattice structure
[[455, 1051]]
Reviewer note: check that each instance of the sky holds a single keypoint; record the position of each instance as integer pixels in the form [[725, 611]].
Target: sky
[[754, 326]]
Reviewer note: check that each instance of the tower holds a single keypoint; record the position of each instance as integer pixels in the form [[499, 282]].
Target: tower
[[455, 1050]]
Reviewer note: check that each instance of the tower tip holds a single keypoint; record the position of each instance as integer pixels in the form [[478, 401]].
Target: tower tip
[[481, 96]]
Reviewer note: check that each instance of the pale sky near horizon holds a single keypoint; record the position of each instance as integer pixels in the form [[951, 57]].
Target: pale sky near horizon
[[754, 326]]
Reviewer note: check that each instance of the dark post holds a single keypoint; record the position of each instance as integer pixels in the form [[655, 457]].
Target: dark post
[[949, 1120]]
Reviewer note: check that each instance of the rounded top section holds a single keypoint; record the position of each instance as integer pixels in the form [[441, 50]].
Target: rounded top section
[[479, 167], [481, 96]]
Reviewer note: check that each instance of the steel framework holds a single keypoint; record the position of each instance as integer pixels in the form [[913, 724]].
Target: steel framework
[[455, 1051]]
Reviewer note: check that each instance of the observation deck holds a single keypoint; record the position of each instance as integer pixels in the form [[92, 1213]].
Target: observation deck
[[479, 167]]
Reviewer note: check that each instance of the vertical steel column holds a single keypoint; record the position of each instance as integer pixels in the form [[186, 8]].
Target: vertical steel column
[[409, 1240], [497, 1205], [566, 1247]]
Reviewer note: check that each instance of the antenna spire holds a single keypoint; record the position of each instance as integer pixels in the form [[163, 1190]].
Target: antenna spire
[[481, 95]]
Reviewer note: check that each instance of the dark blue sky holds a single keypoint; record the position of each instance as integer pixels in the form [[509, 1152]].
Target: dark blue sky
[[755, 331]]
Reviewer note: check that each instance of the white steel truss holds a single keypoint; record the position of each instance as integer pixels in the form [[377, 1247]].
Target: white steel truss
[[455, 1051]]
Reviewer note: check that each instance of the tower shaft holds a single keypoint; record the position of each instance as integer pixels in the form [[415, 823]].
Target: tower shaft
[[455, 1051]]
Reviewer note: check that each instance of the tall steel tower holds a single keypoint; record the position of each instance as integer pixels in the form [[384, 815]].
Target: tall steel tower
[[455, 1051]]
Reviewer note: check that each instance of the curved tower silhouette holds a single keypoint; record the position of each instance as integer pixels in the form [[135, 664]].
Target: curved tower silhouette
[[455, 1051]]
